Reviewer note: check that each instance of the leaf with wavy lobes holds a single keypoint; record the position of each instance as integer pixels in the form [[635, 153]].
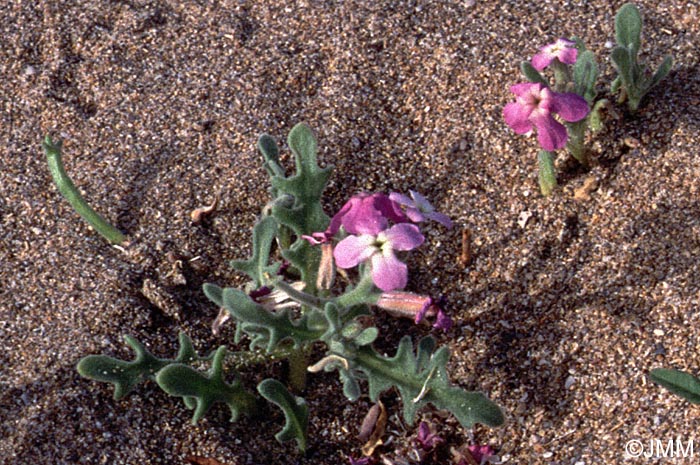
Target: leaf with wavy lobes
[[268, 329], [127, 375], [204, 390], [296, 412], [422, 379], [306, 186], [257, 267]]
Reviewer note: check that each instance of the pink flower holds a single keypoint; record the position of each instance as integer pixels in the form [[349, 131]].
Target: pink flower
[[362, 214], [388, 272], [563, 50], [418, 208], [534, 105], [414, 306]]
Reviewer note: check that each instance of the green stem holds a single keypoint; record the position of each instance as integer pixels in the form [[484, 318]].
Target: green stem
[[547, 178], [298, 363], [575, 145], [71, 193]]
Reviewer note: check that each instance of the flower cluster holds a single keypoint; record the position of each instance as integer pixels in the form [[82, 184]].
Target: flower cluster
[[536, 103], [370, 240]]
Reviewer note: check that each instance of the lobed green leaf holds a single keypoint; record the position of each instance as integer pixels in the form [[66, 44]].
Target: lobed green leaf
[[268, 329], [257, 267], [127, 375], [422, 379], [204, 390], [296, 412]]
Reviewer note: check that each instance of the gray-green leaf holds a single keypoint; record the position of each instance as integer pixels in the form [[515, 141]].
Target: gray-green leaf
[[296, 412]]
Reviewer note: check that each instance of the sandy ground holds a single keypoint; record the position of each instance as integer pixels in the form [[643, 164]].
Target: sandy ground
[[159, 105]]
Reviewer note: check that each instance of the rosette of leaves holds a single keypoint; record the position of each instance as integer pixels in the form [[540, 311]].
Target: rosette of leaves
[[419, 375], [634, 79]]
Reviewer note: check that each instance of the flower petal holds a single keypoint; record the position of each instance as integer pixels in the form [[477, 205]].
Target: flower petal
[[402, 199], [541, 60], [524, 88], [516, 116], [403, 236], [551, 134], [440, 218], [571, 107], [568, 55], [354, 250], [388, 272], [364, 218]]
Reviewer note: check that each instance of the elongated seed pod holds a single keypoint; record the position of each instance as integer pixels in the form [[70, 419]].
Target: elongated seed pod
[[70, 192]]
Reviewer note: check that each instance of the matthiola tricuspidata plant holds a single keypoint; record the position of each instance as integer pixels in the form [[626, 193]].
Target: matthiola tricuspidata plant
[[293, 302], [562, 107]]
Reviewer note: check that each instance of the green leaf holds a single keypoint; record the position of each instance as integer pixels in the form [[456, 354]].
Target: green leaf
[[678, 382], [628, 28], [271, 154], [306, 258], [422, 379], [296, 412], [257, 267], [547, 177], [305, 215], [585, 76], [214, 293], [662, 72], [268, 329], [595, 117], [623, 63], [204, 390], [306, 186], [127, 375], [531, 74]]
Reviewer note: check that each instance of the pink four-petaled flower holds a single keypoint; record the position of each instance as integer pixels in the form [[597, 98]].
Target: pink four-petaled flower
[[563, 50], [388, 272], [534, 106]]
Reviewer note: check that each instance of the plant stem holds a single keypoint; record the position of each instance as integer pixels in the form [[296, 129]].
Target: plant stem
[[575, 145], [71, 193], [547, 178], [298, 363]]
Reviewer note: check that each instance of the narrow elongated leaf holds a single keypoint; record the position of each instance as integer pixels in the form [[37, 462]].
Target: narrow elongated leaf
[[546, 174], [662, 72], [296, 412], [678, 382], [531, 74], [585, 76], [628, 27]]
